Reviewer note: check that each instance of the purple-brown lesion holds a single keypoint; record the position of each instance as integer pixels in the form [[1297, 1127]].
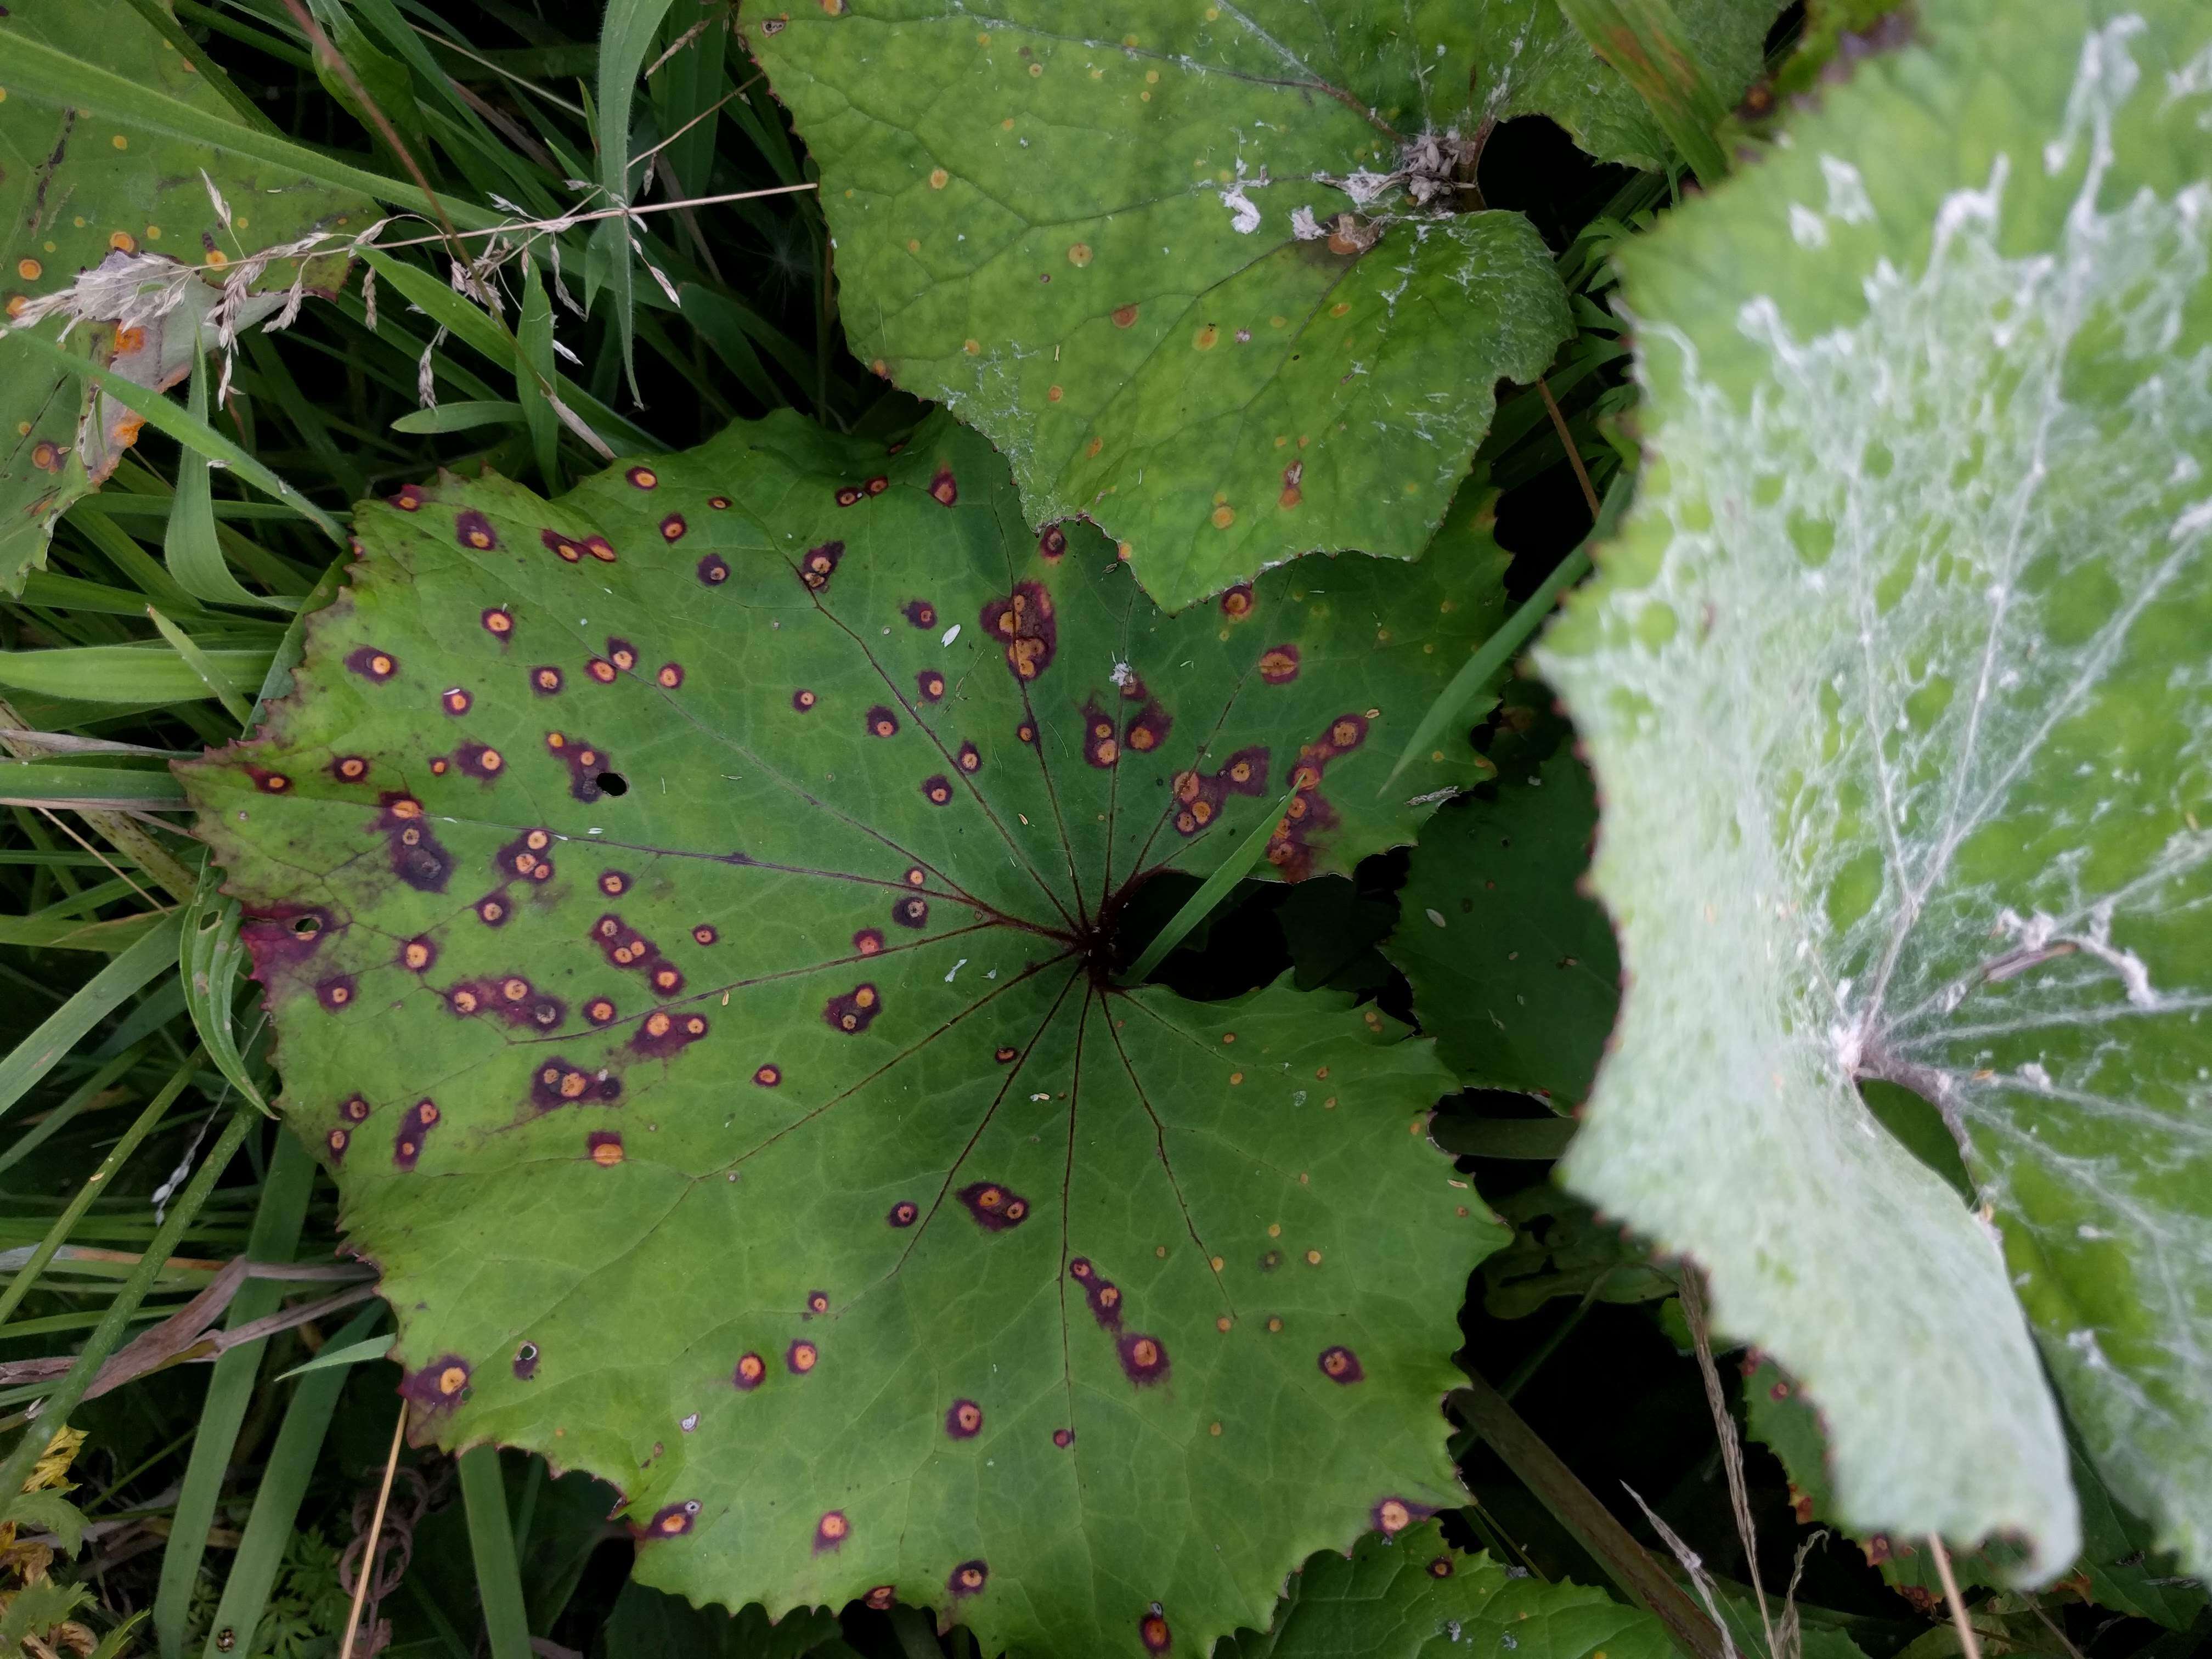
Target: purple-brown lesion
[[439, 1386], [993, 1206], [1023, 624]]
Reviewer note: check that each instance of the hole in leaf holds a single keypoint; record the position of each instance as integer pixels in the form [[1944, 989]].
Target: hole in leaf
[[1529, 164], [613, 783], [307, 927]]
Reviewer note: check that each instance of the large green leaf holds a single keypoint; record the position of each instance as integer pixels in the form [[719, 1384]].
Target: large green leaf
[[1895, 689], [122, 222], [1416, 1597], [686, 910], [1110, 247], [1513, 968]]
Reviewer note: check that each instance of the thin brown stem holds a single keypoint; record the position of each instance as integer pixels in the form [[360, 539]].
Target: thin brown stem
[[367, 1568], [1567, 439], [1970, 1644]]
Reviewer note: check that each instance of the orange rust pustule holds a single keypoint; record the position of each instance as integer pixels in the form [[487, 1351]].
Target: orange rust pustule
[[604, 1147], [901, 1214], [944, 489], [920, 612], [964, 1419], [1291, 847], [994, 1207], [1051, 544], [473, 531], [819, 564], [968, 1578], [1148, 729], [751, 1371], [712, 570], [854, 1010], [1024, 625], [1278, 663], [937, 789], [1339, 1364], [414, 1129], [439, 1386], [671, 1520], [1100, 747], [337, 993], [558, 1082], [1152, 1631], [831, 1531], [929, 685], [1144, 1358], [373, 663], [665, 1033]]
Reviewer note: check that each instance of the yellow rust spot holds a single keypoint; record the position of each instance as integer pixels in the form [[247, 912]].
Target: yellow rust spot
[[607, 1154], [452, 1380], [121, 141], [1275, 1324], [29, 270], [1313, 1258], [1079, 253], [938, 178], [1052, 394], [122, 241], [1215, 1429], [1218, 1264], [1206, 339], [972, 347], [1274, 1229], [1236, 1077], [1161, 1251], [1224, 516]]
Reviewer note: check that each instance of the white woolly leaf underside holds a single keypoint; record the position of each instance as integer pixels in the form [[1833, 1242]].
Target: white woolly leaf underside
[[1891, 721]]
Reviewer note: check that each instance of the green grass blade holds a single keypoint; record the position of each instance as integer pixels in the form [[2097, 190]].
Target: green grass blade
[[275, 1511], [353, 1354], [1215, 888], [85, 1094], [626, 37], [98, 997], [129, 673], [58, 784], [158, 412], [183, 1211], [1643, 40], [1494, 651], [63, 934], [38, 70], [212, 958], [492, 1540], [277, 1223], [188, 651], [533, 375], [463, 416], [194, 554], [27, 1277], [486, 334]]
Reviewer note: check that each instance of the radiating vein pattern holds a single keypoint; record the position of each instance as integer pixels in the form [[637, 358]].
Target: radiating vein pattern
[[687, 911], [1925, 592]]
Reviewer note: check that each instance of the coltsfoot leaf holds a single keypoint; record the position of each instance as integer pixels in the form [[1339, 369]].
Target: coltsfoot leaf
[[1896, 690], [1414, 1597], [134, 236], [686, 909], [1215, 278]]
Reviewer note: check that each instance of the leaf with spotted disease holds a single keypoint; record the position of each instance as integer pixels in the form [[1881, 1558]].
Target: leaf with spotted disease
[[1215, 278], [687, 909], [121, 241], [1414, 1597], [1896, 691]]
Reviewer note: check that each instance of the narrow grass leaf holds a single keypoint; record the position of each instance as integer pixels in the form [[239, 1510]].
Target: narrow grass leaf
[[276, 1514], [209, 675], [277, 1219], [27, 1277], [533, 375], [90, 1092], [141, 674], [464, 417], [627, 35], [1492, 655], [1215, 888], [194, 554], [212, 958], [353, 1354], [97, 998], [58, 784], [491, 1541]]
